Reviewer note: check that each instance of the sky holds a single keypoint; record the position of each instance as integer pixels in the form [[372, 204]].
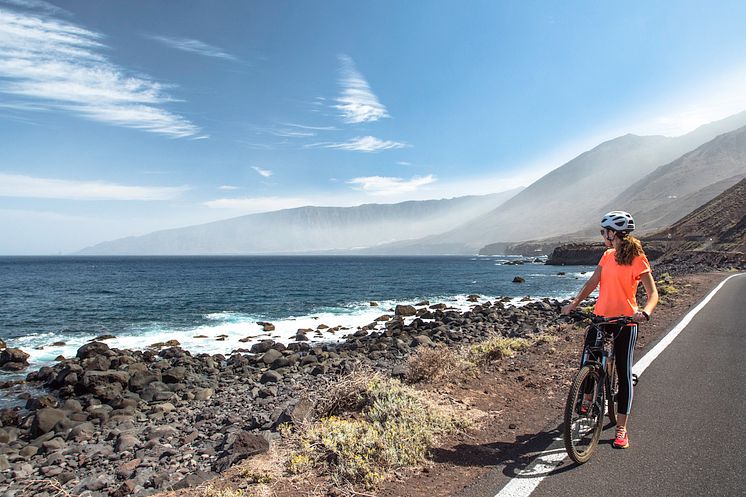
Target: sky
[[121, 118]]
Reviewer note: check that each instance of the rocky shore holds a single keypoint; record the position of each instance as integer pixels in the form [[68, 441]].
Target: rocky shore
[[115, 422]]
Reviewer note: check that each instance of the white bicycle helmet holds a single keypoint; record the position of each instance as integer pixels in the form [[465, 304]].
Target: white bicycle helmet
[[618, 221]]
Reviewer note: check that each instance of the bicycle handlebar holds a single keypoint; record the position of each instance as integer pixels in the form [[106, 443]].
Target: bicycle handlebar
[[601, 319]]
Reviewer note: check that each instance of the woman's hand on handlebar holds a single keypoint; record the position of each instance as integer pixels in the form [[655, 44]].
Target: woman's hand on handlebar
[[641, 316], [569, 308]]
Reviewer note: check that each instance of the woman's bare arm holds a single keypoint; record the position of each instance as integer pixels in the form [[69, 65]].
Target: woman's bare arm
[[587, 289], [652, 292]]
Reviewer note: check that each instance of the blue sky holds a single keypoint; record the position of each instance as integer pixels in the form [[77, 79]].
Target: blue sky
[[120, 118]]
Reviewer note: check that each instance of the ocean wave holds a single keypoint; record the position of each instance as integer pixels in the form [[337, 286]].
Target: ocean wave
[[227, 331]]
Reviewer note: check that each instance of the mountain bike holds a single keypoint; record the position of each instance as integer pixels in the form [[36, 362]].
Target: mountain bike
[[594, 390]]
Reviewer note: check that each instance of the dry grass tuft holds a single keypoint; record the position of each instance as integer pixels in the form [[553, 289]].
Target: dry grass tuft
[[437, 363], [51, 487], [496, 348]]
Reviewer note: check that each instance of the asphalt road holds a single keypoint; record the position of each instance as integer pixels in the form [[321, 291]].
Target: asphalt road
[[687, 427]]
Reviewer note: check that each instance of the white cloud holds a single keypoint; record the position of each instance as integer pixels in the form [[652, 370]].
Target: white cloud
[[251, 205], [227, 187], [357, 103], [58, 65], [16, 185], [193, 46], [266, 173], [37, 5], [314, 128], [361, 144], [385, 185]]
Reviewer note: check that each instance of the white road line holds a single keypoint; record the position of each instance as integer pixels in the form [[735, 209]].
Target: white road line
[[527, 480]]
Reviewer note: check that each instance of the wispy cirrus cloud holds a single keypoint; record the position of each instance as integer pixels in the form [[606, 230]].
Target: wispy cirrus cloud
[[361, 144], [314, 128], [58, 65], [17, 185], [357, 103], [386, 185], [265, 173], [292, 130], [193, 46], [36, 5], [227, 187]]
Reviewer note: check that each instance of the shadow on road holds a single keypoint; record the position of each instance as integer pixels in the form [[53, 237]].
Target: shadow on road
[[515, 458]]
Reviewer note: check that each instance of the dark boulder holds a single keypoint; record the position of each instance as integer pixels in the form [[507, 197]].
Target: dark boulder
[[297, 414], [271, 356], [240, 446], [262, 347], [174, 375], [92, 349], [271, 377], [405, 310], [45, 419], [266, 326], [97, 363], [13, 359]]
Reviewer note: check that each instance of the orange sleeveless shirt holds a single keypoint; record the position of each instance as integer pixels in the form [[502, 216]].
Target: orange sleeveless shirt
[[618, 286]]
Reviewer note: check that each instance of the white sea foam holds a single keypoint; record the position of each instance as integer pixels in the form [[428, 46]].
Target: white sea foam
[[231, 327]]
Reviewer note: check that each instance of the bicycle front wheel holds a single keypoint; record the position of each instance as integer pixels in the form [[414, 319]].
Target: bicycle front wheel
[[583, 424]]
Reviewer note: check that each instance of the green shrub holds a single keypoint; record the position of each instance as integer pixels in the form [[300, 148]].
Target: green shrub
[[667, 290]]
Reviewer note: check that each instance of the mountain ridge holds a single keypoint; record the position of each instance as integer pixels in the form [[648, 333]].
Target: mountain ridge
[[305, 229]]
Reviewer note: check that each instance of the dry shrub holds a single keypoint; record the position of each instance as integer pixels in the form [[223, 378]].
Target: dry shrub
[[215, 491], [51, 487], [496, 348], [436, 363], [344, 394], [395, 428]]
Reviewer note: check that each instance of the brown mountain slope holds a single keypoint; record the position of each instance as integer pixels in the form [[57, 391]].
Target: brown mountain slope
[[660, 198], [711, 236], [719, 225]]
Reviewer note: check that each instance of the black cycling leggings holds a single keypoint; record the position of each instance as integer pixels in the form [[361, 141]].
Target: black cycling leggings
[[624, 348]]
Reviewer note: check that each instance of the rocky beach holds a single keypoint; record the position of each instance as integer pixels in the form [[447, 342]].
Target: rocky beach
[[123, 422], [113, 422]]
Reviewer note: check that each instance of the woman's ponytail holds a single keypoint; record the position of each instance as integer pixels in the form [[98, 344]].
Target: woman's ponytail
[[629, 248]]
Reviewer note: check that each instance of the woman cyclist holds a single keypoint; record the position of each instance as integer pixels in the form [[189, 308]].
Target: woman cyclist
[[622, 267]]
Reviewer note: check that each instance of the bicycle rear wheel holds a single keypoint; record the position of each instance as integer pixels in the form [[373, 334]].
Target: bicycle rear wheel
[[612, 389], [583, 429]]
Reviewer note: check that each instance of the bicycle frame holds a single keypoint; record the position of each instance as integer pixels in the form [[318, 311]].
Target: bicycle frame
[[593, 382]]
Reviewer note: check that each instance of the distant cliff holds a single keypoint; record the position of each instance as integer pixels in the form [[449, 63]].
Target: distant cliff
[[573, 254], [308, 229], [589, 253]]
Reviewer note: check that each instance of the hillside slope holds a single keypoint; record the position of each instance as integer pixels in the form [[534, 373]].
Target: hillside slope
[[562, 201], [663, 196], [719, 225], [712, 236]]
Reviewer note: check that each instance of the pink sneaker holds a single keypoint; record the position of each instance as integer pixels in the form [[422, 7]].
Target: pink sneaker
[[622, 439]]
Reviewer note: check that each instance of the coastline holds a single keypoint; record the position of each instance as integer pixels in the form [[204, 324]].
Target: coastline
[[156, 416]]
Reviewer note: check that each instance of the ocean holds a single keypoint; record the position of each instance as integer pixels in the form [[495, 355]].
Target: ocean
[[50, 306]]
